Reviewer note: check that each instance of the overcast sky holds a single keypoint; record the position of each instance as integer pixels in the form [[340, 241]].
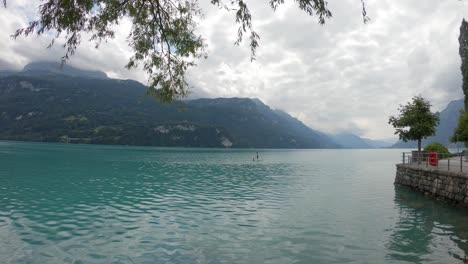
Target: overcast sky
[[344, 76]]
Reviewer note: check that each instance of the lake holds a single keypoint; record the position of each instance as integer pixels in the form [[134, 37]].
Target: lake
[[64, 203]]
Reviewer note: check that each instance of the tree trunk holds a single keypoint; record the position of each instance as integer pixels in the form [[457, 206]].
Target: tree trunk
[[419, 151]]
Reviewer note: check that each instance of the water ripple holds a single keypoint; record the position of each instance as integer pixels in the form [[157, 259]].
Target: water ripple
[[95, 204]]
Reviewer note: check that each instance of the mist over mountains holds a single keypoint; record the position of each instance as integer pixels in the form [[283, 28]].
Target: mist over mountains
[[349, 140], [45, 102], [42, 69]]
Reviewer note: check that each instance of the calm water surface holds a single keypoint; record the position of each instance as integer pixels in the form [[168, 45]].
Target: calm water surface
[[98, 204]]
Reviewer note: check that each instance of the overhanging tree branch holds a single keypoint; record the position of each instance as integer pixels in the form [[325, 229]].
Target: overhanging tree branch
[[162, 37]]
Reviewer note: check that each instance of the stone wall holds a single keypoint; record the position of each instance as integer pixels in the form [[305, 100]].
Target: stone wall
[[449, 186]]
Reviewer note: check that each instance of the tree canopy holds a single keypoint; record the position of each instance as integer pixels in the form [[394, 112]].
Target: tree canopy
[[461, 132], [439, 147], [463, 51], [163, 35], [415, 121]]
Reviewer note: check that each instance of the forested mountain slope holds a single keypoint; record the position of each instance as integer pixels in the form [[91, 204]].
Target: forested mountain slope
[[87, 107]]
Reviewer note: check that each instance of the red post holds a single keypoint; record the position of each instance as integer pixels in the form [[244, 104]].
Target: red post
[[433, 159]]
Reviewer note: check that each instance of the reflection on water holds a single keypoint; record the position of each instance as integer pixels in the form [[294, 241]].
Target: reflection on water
[[96, 204], [426, 226]]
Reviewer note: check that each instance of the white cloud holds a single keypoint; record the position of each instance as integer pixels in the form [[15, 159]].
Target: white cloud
[[341, 76]]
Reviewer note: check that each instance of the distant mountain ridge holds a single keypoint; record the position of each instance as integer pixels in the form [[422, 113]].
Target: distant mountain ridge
[[351, 141], [383, 143], [43, 68], [348, 140], [44, 104], [448, 122]]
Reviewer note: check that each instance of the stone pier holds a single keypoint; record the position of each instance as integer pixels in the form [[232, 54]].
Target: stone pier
[[441, 184]]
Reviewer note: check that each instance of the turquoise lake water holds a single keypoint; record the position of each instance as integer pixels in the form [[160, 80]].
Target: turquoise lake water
[[116, 204]]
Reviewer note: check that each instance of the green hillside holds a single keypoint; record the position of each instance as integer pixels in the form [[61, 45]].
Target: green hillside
[[50, 106]]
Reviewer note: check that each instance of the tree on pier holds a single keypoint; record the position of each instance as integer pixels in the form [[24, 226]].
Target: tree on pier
[[415, 121]]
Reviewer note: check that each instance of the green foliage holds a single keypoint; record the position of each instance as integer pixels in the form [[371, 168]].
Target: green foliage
[[163, 35], [416, 121], [461, 132], [436, 146], [463, 51]]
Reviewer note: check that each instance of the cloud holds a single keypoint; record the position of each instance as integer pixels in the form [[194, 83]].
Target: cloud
[[343, 76], [346, 75]]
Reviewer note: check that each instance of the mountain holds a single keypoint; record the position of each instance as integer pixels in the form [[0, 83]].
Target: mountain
[[51, 68], [43, 104], [44, 68], [298, 127], [7, 72], [351, 141], [348, 140], [383, 143], [448, 122]]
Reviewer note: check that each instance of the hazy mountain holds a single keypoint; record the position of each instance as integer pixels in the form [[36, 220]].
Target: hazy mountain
[[448, 122], [348, 140], [7, 72], [41, 104], [298, 127], [46, 68], [382, 143]]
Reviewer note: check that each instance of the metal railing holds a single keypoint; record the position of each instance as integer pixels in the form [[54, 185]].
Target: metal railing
[[456, 162]]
